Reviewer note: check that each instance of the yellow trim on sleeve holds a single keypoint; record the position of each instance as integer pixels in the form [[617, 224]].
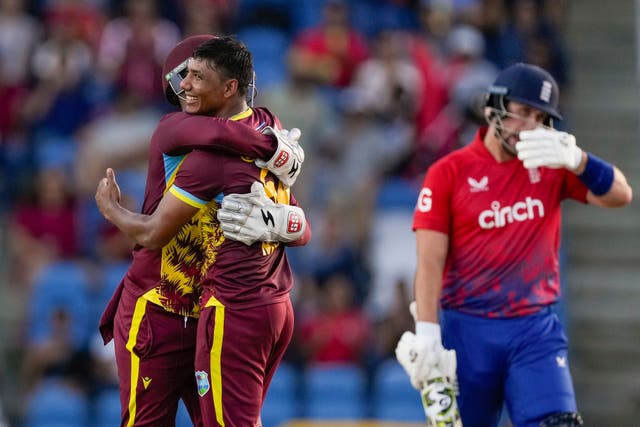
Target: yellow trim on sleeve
[[172, 178], [182, 197]]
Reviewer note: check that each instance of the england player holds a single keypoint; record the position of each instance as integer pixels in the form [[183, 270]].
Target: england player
[[246, 317], [487, 226], [153, 314]]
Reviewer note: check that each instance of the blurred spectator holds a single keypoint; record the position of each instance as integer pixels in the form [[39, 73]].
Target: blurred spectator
[[61, 99], [397, 319], [119, 138], [333, 251], [340, 332], [330, 52], [53, 356], [388, 81], [468, 75], [82, 17], [19, 33], [133, 48], [528, 37], [42, 226], [207, 16], [300, 102]]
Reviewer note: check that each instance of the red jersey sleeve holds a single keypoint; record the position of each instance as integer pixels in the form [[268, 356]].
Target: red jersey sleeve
[[183, 132], [433, 209], [574, 188]]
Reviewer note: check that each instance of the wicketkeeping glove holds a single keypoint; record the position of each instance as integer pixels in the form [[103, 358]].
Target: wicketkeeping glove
[[286, 163], [549, 148], [254, 217]]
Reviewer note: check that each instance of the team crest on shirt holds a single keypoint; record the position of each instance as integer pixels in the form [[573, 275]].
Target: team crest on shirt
[[202, 381], [475, 186]]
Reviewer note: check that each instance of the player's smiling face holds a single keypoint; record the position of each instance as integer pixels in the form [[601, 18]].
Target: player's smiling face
[[204, 89]]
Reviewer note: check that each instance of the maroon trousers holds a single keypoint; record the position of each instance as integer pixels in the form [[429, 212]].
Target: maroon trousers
[[237, 354], [155, 351]]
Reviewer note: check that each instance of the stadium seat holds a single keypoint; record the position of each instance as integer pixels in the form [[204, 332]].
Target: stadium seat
[[107, 408], [268, 47], [110, 277], [55, 404], [394, 398], [335, 392], [281, 403], [60, 285]]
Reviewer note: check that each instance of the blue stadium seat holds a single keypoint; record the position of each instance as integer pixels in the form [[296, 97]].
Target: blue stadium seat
[[55, 404], [107, 408], [335, 392], [394, 398], [61, 285], [268, 47], [282, 400], [111, 275]]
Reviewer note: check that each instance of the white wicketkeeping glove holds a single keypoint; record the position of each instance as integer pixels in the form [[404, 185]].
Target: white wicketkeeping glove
[[253, 217], [549, 148], [286, 163]]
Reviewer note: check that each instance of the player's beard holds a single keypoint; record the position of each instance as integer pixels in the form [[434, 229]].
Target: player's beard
[[507, 137]]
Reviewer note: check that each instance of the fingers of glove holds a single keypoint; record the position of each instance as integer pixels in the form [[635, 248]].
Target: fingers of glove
[[294, 134], [231, 221], [240, 237], [237, 203], [538, 133], [238, 217]]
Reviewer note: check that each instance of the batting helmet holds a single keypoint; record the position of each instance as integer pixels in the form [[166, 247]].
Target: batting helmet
[[175, 66], [526, 84]]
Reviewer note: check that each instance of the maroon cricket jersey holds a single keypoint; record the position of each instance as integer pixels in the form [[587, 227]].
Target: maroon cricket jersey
[[171, 277], [243, 276]]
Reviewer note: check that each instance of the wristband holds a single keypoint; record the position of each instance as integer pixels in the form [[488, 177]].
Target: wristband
[[597, 175], [427, 328]]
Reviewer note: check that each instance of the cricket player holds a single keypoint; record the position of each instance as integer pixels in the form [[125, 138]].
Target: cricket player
[[487, 225], [153, 313], [246, 317]]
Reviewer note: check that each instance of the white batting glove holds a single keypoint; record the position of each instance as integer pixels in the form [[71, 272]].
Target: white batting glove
[[420, 353], [286, 163], [549, 148], [438, 362], [253, 217]]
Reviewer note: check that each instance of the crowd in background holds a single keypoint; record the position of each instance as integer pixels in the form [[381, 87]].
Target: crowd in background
[[380, 88]]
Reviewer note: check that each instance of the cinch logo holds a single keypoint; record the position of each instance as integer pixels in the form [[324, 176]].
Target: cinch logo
[[498, 217]]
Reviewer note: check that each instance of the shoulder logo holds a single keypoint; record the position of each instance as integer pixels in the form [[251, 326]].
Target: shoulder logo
[[475, 186]]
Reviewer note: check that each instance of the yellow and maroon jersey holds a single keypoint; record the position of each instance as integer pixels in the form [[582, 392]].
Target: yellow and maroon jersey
[[171, 277], [234, 274]]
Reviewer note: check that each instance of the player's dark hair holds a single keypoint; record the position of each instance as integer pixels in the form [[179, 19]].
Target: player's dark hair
[[229, 57]]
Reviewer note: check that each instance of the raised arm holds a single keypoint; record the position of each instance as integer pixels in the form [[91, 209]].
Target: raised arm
[[186, 132], [151, 231]]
